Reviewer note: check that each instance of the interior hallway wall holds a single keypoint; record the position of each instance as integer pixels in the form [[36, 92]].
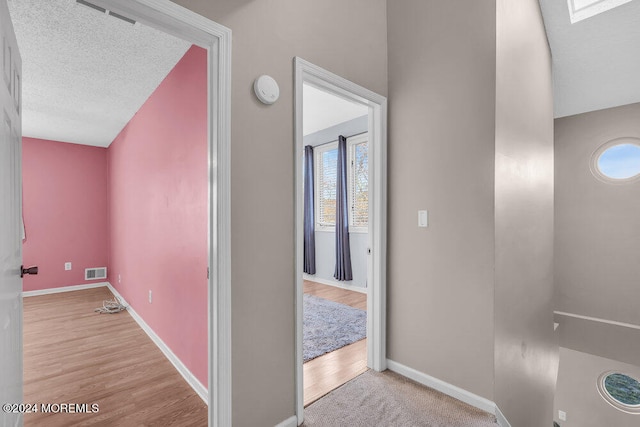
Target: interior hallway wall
[[578, 396], [65, 211], [158, 186], [597, 236], [441, 158], [348, 38], [526, 351]]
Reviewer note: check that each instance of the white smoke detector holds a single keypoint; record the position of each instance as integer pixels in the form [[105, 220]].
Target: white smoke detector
[[266, 89]]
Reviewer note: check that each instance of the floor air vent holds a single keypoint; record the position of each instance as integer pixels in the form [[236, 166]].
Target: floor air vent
[[95, 273]]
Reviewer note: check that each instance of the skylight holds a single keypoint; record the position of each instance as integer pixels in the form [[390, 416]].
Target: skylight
[[583, 9]]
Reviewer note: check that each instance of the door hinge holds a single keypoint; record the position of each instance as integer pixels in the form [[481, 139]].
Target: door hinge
[[207, 272]]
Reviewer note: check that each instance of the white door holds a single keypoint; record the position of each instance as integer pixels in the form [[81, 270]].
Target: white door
[[10, 222]]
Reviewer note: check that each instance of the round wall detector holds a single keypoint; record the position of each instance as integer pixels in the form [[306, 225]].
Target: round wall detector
[[266, 89]]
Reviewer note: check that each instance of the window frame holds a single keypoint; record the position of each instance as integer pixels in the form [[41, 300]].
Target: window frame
[[351, 154], [604, 393], [595, 158], [318, 150]]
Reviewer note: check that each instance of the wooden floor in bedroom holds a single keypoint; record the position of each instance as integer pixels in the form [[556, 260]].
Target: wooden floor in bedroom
[[74, 355], [329, 371]]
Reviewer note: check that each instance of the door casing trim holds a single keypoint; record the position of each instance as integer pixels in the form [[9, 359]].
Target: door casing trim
[[306, 72]]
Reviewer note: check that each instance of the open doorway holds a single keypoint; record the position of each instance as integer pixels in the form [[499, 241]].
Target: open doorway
[[215, 39], [341, 246], [336, 145]]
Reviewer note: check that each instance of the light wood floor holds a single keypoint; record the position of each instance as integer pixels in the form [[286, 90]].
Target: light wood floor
[[74, 355], [329, 371]]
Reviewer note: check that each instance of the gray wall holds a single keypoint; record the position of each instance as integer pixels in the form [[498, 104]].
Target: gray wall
[[577, 394], [526, 352], [441, 158], [326, 258], [612, 341], [266, 37], [597, 236], [326, 240]]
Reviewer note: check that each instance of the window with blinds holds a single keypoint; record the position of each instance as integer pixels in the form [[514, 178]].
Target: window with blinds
[[326, 161], [326, 181], [359, 183]]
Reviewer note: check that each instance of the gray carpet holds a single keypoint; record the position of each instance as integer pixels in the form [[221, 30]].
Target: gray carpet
[[389, 400], [328, 326]]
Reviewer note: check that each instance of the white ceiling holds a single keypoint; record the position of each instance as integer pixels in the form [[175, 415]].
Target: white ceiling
[[596, 61], [321, 110], [85, 73]]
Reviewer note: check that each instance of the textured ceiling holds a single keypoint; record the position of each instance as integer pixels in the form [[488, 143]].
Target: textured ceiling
[[596, 61], [85, 73], [321, 110]]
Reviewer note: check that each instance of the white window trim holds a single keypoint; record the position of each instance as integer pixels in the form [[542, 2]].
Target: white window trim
[[604, 393], [352, 141], [595, 157]]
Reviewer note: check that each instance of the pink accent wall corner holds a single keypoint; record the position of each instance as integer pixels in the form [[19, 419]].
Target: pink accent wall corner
[[64, 210]]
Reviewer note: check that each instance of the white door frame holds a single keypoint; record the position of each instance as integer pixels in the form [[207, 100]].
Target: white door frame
[[173, 19], [306, 72]]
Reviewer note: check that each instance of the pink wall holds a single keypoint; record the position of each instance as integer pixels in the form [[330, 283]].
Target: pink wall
[[157, 189], [65, 211]]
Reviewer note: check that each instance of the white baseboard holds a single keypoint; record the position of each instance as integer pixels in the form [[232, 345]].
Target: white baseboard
[[335, 283], [196, 385], [502, 420], [443, 387], [63, 289], [292, 421]]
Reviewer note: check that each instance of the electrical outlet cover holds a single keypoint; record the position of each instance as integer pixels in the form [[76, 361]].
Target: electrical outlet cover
[[562, 415]]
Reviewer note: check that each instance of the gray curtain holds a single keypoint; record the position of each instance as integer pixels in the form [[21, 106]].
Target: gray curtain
[[343, 248], [309, 220]]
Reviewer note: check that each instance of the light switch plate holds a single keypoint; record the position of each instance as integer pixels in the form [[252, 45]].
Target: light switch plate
[[423, 219], [67, 266], [562, 415]]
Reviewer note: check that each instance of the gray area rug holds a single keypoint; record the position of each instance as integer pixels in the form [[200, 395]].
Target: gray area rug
[[328, 326], [387, 399]]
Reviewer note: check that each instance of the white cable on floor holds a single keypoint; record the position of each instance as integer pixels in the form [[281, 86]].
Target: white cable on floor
[[111, 306]]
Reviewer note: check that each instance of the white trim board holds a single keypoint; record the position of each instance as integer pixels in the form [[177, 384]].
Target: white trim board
[[171, 18], [292, 421], [26, 294], [334, 283], [443, 387], [306, 72], [597, 319], [501, 419], [195, 384]]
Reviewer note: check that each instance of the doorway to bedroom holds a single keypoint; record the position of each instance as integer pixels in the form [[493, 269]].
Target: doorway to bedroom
[[340, 238], [335, 241]]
